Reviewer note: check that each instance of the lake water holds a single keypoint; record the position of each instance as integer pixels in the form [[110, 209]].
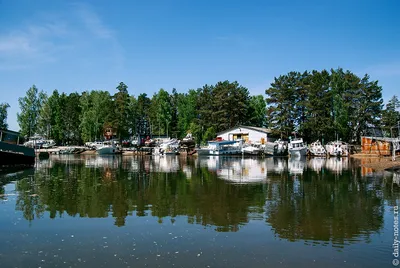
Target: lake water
[[173, 211]]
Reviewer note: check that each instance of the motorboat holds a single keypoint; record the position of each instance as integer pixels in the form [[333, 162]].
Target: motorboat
[[188, 141], [317, 149], [337, 148], [170, 147], [276, 148], [108, 147], [297, 147], [251, 149], [222, 147]]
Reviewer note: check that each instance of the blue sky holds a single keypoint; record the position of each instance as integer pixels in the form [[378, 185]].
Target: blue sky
[[84, 45]]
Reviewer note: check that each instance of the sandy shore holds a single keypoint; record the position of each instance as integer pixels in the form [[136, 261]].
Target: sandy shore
[[377, 163]]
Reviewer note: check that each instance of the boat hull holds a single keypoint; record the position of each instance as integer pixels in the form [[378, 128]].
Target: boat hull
[[106, 150], [12, 155], [230, 152], [298, 152]]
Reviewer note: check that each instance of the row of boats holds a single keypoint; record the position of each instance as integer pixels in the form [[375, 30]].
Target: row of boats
[[295, 147]]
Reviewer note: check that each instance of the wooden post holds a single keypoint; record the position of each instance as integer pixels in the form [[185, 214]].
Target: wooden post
[[393, 152]]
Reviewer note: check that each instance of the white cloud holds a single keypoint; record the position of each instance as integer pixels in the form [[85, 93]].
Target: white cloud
[[48, 36], [93, 22]]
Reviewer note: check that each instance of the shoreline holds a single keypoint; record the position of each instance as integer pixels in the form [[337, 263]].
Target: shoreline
[[377, 163]]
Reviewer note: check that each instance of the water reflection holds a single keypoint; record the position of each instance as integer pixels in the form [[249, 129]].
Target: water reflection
[[236, 169], [296, 165], [216, 192]]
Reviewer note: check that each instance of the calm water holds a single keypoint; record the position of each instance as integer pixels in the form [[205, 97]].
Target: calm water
[[168, 211]]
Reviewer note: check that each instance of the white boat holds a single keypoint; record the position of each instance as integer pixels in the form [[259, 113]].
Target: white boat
[[276, 148], [39, 142], [188, 141], [337, 148], [317, 149], [170, 147], [48, 144], [94, 145], [297, 147], [251, 149], [222, 147], [108, 147]]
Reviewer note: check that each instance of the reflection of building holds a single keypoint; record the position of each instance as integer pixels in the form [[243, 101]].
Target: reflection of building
[[251, 134]]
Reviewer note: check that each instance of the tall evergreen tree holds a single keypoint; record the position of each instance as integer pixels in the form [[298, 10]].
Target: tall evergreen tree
[[281, 99], [318, 124], [391, 118], [121, 99], [257, 111], [369, 108]]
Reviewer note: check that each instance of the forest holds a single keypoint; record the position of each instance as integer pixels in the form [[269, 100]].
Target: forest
[[313, 105]]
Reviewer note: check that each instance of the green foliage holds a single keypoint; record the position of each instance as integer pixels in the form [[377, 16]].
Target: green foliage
[[121, 103], [257, 111], [186, 111], [391, 117], [209, 134], [3, 115], [160, 112], [318, 105], [30, 106], [196, 131], [96, 113]]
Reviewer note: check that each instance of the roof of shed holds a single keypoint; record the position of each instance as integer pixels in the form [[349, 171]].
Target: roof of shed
[[259, 129]]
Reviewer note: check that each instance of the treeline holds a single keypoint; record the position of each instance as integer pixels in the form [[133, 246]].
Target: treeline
[[76, 118], [324, 105], [313, 105]]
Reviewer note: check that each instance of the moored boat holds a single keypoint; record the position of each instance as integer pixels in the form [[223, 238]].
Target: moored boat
[[108, 147], [12, 153], [187, 142], [276, 148], [337, 148], [251, 149], [297, 147], [317, 149], [222, 147]]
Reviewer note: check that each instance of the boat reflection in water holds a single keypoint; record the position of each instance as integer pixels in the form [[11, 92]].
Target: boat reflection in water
[[334, 164], [260, 199], [237, 169], [296, 165]]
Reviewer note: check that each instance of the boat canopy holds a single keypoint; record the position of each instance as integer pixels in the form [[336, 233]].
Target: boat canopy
[[224, 142]]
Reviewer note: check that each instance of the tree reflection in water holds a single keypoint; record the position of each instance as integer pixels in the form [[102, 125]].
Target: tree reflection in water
[[315, 205]]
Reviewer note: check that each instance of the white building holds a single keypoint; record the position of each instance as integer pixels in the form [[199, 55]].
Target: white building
[[249, 134]]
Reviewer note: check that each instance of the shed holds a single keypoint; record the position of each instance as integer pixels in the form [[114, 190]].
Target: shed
[[379, 145], [248, 133]]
